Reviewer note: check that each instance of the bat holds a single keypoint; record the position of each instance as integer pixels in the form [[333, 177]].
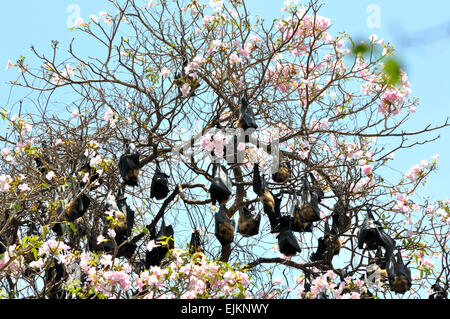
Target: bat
[[181, 78], [165, 241], [88, 169], [371, 235], [53, 278], [221, 187], [195, 246], [129, 165], [283, 173], [374, 273], [42, 163], [298, 223], [2, 245], [329, 246], [260, 188], [399, 275], [249, 221], [439, 292], [160, 185], [247, 117], [341, 218], [288, 244], [124, 217], [309, 200], [224, 228]]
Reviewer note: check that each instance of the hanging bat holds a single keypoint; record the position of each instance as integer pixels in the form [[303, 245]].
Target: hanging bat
[[439, 292], [249, 220], [399, 275], [260, 188], [374, 272], [221, 187], [341, 218], [298, 223], [224, 229], [88, 169], [129, 165], [53, 280], [181, 77], [309, 199], [329, 246], [371, 235], [247, 117], [283, 173], [160, 185], [42, 162], [157, 254], [288, 244], [195, 246]]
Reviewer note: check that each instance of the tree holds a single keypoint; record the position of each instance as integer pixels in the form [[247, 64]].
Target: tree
[[171, 95]]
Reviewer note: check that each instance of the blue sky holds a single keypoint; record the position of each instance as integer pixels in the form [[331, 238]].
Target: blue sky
[[26, 23]]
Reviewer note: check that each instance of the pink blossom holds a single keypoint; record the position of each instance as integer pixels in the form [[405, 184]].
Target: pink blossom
[[6, 151], [366, 169], [96, 160], [24, 187], [50, 175], [150, 4], [324, 125], [234, 58], [165, 72], [4, 183], [151, 244], [75, 114], [9, 64], [185, 89], [79, 22], [100, 239]]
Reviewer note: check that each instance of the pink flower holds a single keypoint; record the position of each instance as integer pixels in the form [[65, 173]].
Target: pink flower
[[75, 114], [165, 72], [6, 151], [9, 64], [150, 4], [79, 22], [24, 187], [235, 59], [50, 175], [366, 169], [151, 244], [100, 239], [185, 89], [4, 183], [324, 125]]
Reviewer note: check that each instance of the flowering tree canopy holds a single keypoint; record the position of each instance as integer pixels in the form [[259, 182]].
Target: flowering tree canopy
[[185, 160]]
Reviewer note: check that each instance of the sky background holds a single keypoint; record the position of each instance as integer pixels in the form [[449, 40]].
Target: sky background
[[420, 32]]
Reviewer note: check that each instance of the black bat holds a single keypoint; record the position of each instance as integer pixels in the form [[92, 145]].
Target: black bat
[[88, 169], [2, 245], [160, 185], [309, 200], [371, 235], [221, 187], [249, 221], [329, 246], [247, 117], [224, 228], [43, 161], [76, 207], [288, 244], [181, 77], [439, 292], [298, 223], [129, 165], [399, 275], [195, 246], [283, 173], [125, 222], [53, 280], [341, 218], [165, 241]]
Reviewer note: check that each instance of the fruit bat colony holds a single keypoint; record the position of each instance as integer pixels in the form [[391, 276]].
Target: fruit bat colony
[[302, 200]]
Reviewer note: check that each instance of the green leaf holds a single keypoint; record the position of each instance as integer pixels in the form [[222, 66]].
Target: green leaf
[[360, 48], [392, 69]]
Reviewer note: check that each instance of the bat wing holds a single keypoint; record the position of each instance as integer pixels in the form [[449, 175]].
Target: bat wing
[[257, 185]]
